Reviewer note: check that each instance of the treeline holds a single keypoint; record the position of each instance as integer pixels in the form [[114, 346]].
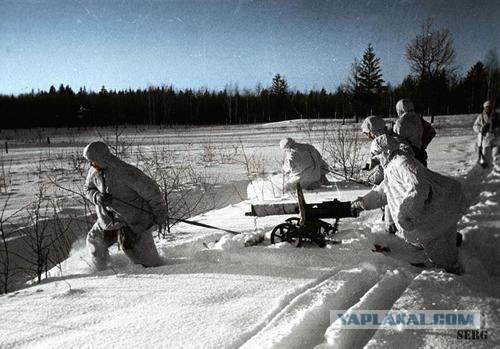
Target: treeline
[[433, 85], [165, 105]]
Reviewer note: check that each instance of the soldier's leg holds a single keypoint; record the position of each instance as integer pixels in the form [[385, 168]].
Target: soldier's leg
[[140, 248], [443, 251], [495, 154], [487, 156], [390, 226], [98, 242]]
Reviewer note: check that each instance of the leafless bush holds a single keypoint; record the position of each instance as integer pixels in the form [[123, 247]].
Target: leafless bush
[[344, 150], [255, 163], [187, 191], [119, 147], [228, 153], [314, 135], [77, 163], [44, 241], [66, 194], [208, 152], [70, 162], [46, 238], [306, 128], [222, 153]]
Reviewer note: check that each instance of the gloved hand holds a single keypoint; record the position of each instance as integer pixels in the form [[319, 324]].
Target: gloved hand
[[104, 199], [376, 175], [485, 128], [357, 207]]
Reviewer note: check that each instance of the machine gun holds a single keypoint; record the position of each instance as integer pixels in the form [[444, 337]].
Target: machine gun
[[308, 225]]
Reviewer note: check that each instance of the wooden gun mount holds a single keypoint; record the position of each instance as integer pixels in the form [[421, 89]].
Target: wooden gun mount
[[308, 226]]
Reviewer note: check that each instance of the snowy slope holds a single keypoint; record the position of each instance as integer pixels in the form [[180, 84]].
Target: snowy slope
[[270, 296]]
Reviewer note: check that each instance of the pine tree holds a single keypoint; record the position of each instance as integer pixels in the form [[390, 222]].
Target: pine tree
[[370, 84], [475, 86], [280, 86], [279, 97], [370, 73]]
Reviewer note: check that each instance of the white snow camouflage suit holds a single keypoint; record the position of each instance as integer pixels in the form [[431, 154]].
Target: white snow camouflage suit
[[418, 132], [425, 205], [490, 140], [376, 126], [137, 205], [303, 163]]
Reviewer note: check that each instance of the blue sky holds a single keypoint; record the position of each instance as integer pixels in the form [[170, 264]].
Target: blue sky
[[212, 43]]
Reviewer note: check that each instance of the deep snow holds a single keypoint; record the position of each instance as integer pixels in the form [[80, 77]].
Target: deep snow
[[265, 296]]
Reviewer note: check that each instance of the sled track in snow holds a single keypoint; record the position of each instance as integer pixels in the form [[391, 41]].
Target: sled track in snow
[[305, 321], [284, 301], [381, 296]]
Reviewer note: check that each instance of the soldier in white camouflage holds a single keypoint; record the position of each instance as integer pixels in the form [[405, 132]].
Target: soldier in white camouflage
[[128, 204]]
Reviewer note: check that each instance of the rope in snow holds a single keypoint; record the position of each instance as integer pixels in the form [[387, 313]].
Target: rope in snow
[[198, 224]]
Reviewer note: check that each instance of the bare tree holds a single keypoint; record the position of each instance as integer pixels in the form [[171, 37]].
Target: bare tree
[[231, 92], [353, 80], [351, 88], [431, 52], [344, 150]]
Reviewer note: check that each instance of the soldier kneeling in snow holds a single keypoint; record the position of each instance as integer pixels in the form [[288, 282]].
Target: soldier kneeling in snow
[[128, 204], [303, 164], [425, 205], [373, 127]]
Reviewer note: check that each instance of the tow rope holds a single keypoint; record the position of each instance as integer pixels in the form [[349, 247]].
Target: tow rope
[[198, 224], [205, 225]]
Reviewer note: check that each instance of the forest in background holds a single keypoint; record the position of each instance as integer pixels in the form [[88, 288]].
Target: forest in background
[[434, 86]]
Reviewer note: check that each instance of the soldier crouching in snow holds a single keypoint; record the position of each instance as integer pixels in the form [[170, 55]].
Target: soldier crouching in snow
[[128, 204], [303, 164], [425, 205]]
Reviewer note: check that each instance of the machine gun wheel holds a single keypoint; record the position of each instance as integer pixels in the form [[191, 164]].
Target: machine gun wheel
[[327, 229], [287, 232]]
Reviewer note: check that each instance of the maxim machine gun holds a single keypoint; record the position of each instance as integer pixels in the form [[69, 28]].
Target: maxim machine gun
[[308, 225]]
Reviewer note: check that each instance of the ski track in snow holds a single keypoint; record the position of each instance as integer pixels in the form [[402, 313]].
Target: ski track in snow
[[262, 297]]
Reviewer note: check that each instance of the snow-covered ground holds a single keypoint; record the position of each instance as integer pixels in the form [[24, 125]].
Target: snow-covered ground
[[272, 296]]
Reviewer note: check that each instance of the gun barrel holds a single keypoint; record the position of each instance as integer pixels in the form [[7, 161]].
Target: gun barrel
[[327, 209], [272, 209]]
